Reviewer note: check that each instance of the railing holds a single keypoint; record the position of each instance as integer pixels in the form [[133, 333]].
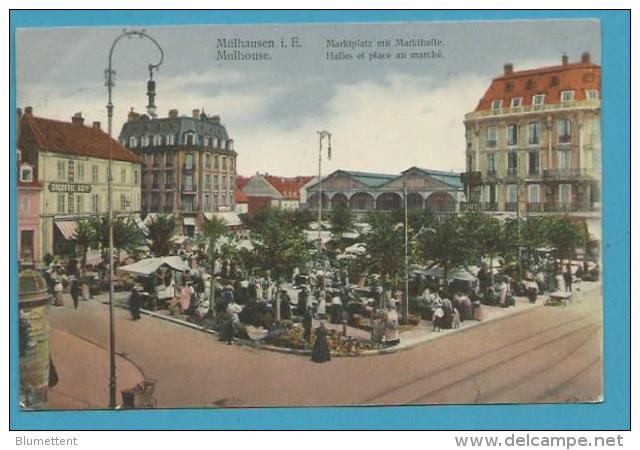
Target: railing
[[168, 187], [511, 206], [188, 168], [564, 139], [512, 171], [569, 207], [567, 173], [534, 207], [491, 172], [155, 186], [591, 104], [490, 206], [534, 170], [189, 188], [492, 143]]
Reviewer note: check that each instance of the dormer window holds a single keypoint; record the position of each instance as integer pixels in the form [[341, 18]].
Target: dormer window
[[189, 139], [206, 141], [592, 94], [145, 141], [516, 102], [566, 96], [157, 140], [496, 104], [215, 142], [26, 173], [133, 142], [538, 100], [170, 139], [230, 144]]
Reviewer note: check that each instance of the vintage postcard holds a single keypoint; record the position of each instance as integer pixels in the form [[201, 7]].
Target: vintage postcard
[[238, 216]]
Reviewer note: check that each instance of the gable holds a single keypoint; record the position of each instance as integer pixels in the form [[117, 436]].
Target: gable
[[259, 187], [340, 180], [417, 179]]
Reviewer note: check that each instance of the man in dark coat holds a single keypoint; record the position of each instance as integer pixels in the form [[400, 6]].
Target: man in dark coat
[[321, 352], [301, 308], [568, 278], [134, 304], [74, 290], [285, 306]]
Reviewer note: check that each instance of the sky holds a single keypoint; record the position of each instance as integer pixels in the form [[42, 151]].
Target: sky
[[384, 115]]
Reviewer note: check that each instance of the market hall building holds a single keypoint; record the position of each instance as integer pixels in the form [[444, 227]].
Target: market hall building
[[70, 161], [437, 191], [189, 166]]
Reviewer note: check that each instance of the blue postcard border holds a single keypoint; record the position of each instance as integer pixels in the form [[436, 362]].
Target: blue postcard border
[[612, 414]]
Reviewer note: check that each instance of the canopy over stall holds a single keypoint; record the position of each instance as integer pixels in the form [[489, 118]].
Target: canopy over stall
[[146, 267]]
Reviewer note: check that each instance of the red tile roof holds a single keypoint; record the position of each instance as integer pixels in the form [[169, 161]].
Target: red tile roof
[[550, 81], [68, 138], [241, 197], [241, 181], [288, 187]]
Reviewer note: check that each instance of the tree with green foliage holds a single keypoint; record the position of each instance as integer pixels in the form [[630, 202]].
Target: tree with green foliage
[[483, 236], [84, 237], [446, 244], [126, 236], [280, 243], [341, 221], [161, 230], [385, 247], [565, 236]]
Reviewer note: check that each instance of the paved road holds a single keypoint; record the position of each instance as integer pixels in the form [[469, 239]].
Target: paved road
[[549, 354]]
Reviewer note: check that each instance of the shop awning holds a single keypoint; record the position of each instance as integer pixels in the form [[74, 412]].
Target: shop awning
[[67, 228], [146, 267], [230, 218], [189, 221]]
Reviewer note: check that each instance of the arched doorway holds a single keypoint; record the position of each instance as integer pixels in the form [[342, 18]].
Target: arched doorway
[[441, 202], [389, 201], [339, 200], [313, 201], [415, 201], [361, 201]]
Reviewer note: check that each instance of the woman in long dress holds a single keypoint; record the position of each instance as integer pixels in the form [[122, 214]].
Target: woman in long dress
[[58, 296], [321, 352], [185, 297], [321, 311], [391, 327]]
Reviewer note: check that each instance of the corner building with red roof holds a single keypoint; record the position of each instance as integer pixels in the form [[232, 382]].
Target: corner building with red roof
[[533, 144]]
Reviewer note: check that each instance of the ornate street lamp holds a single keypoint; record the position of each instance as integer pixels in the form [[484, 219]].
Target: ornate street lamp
[[109, 82]]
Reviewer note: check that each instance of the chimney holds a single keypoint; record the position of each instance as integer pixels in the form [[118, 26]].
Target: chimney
[[173, 114], [196, 113], [565, 59], [77, 119], [215, 119], [586, 58], [28, 110], [508, 68], [96, 125]]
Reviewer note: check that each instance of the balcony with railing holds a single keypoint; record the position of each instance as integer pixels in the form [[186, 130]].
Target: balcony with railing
[[511, 206], [534, 207], [570, 207], [168, 186], [155, 186], [564, 174], [526, 109], [189, 188]]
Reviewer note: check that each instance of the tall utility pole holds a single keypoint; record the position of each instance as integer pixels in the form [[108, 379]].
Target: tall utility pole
[[321, 136], [406, 251], [109, 82]]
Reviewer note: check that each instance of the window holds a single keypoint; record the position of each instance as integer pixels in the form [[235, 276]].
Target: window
[[189, 138], [534, 133], [168, 179], [157, 140], [70, 171], [496, 104], [60, 203], [70, 203], [207, 179], [168, 159], [145, 141], [26, 173], [564, 131], [123, 176], [215, 182], [207, 206], [94, 174], [188, 181], [188, 165], [566, 96], [491, 164], [564, 194], [512, 163], [512, 193], [26, 244], [534, 193], [512, 134], [534, 163], [170, 139], [136, 178], [538, 100], [206, 141], [564, 159], [224, 200], [216, 162], [80, 172], [516, 102], [123, 202], [133, 142], [25, 204], [592, 94], [224, 163], [207, 161], [95, 202], [232, 163], [469, 163], [492, 137], [230, 144], [61, 170], [224, 182], [79, 203]]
